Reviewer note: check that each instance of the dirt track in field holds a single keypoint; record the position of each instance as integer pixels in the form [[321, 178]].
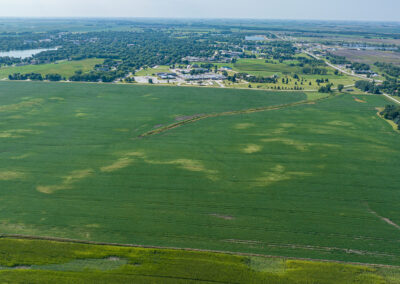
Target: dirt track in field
[[228, 113]]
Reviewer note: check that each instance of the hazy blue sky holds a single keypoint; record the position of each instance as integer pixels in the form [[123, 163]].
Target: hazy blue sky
[[371, 10]]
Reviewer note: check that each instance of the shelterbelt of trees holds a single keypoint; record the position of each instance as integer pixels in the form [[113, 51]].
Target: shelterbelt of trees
[[389, 68], [36, 77], [389, 86], [392, 112]]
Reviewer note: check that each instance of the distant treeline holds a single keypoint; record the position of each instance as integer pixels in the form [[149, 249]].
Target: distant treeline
[[360, 66], [92, 76], [392, 112], [336, 59], [309, 61], [278, 50]]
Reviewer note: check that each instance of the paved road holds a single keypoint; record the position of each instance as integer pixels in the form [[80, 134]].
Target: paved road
[[340, 69], [220, 84], [391, 98], [354, 75]]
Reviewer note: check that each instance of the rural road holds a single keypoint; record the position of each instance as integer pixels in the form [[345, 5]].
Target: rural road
[[339, 69], [391, 98], [220, 84], [354, 75]]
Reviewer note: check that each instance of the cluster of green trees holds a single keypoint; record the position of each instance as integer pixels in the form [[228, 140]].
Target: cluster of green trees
[[309, 61], [321, 81], [29, 40], [28, 76], [369, 87], [252, 78], [392, 112], [36, 77], [6, 60], [125, 52], [360, 66], [389, 68], [325, 89], [390, 86], [198, 71], [98, 76], [278, 50], [336, 59], [54, 77]]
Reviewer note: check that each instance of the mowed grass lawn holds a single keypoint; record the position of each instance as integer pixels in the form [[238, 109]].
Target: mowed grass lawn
[[312, 180], [258, 67], [65, 68], [151, 71], [32, 261]]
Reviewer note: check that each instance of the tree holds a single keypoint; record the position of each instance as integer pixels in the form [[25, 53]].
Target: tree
[[325, 89], [340, 87], [150, 81]]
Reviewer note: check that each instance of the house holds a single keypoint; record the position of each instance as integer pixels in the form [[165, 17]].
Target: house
[[203, 77], [225, 68]]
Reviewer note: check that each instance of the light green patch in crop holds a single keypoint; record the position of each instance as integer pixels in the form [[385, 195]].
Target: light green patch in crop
[[251, 148], [10, 175], [300, 146], [242, 126], [67, 181], [17, 133], [117, 165], [277, 174], [340, 123], [22, 105]]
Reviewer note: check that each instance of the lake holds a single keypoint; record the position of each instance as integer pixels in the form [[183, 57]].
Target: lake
[[256, 38], [23, 53]]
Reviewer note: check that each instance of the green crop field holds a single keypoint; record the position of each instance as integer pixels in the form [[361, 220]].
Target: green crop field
[[220, 169], [65, 68], [34, 261]]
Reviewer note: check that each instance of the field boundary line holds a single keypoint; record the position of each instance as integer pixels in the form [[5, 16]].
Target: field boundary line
[[87, 242]]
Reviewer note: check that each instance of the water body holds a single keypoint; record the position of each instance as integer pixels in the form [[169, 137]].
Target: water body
[[256, 38], [368, 47], [24, 53]]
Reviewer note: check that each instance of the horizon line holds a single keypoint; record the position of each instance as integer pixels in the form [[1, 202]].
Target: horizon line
[[193, 18]]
